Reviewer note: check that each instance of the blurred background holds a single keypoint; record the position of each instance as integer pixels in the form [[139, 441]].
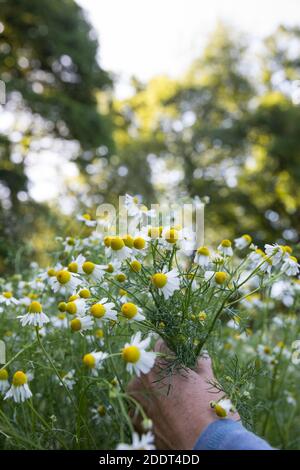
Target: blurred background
[[163, 99]]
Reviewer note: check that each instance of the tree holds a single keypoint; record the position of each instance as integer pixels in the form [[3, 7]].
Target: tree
[[48, 61], [231, 134]]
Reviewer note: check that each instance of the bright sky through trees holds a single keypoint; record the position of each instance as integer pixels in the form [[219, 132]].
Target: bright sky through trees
[[150, 37]]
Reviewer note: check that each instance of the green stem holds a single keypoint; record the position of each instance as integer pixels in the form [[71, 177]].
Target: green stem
[[64, 385]]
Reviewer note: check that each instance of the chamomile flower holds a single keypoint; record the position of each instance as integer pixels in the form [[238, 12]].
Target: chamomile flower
[[131, 204], [66, 282], [117, 249], [140, 244], [166, 282], [135, 266], [202, 256], [19, 390], [276, 252], [266, 266], [35, 315], [87, 219], [257, 257], [290, 266], [98, 413], [170, 237], [94, 271], [7, 298], [243, 241], [135, 209], [132, 312], [68, 379], [218, 278], [103, 310], [223, 407], [4, 383], [265, 353], [143, 442], [75, 265], [82, 323], [187, 241], [60, 321], [99, 336], [225, 248], [283, 290], [70, 244], [137, 359], [94, 360], [76, 306], [49, 276]]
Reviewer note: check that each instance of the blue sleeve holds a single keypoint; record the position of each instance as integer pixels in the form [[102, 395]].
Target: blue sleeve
[[226, 434]]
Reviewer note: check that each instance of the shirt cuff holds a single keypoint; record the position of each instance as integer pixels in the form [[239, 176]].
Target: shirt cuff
[[226, 434]]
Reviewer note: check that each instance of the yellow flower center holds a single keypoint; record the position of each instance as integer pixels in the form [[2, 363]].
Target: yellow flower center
[[75, 324], [128, 240], [61, 316], [258, 251], [287, 249], [19, 378], [99, 333], [73, 267], [247, 238], [136, 200], [159, 280], [84, 293], [203, 250], [89, 361], [110, 268], [71, 308], [122, 292], [154, 232], [62, 306], [35, 307], [267, 350], [219, 410], [98, 310], [139, 243], [293, 258], [220, 277], [121, 277], [117, 244], [3, 374], [32, 296], [135, 266], [87, 217], [107, 241], [131, 354], [71, 241], [129, 310], [171, 235], [202, 316], [226, 243], [51, 272], [73, 297], [7, 295], [88, 267], [101, 410], [63, 277]]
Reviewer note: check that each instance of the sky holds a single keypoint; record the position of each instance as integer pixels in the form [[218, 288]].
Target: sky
[[151, 37]]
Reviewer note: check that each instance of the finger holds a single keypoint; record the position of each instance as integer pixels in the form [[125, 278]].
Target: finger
[[204, 366]]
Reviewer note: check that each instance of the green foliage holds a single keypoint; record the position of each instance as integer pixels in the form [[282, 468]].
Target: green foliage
[[48, 61], [231, 133]]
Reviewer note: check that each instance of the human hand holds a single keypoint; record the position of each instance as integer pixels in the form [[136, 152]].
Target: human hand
[[178, 405]]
